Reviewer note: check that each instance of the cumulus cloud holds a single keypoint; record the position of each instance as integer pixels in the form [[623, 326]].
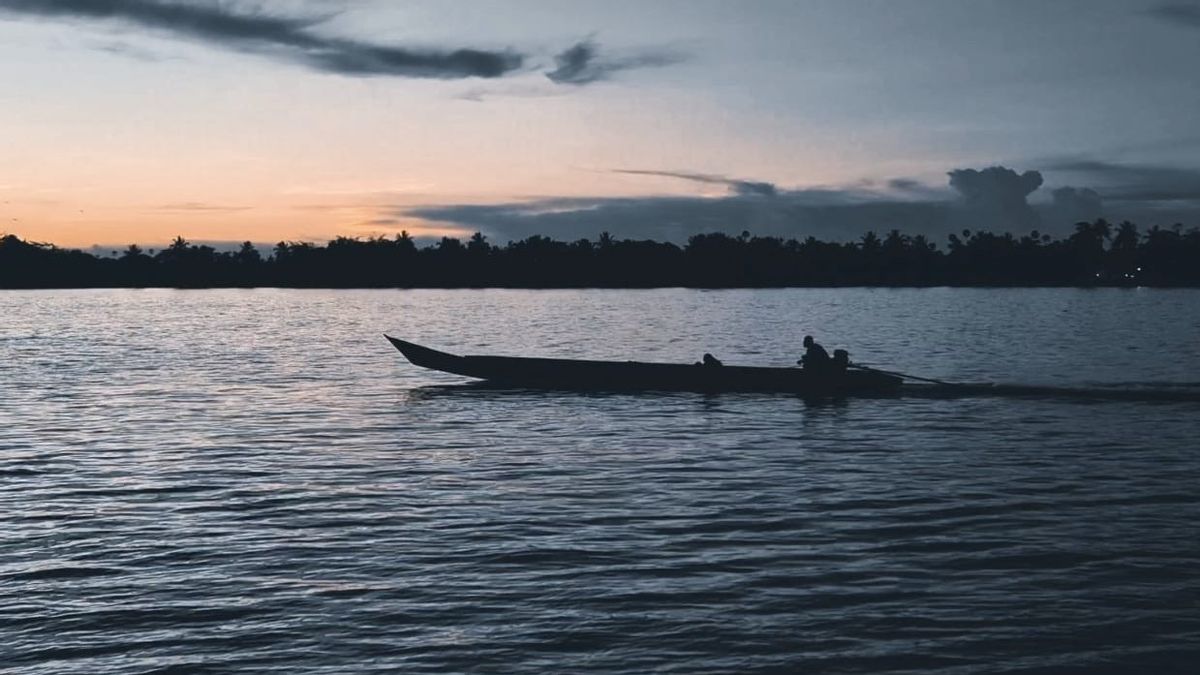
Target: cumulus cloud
[[1073, 205], [291, 39], [583, 63], [998, 197], [736, 186]]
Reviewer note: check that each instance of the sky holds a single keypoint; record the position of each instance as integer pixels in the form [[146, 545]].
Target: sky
[[136, 121]]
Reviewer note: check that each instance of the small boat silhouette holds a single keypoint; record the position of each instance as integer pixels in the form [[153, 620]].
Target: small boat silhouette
[[584, 375]]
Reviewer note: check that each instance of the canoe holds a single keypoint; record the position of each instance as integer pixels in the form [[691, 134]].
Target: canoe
[[583, 375]]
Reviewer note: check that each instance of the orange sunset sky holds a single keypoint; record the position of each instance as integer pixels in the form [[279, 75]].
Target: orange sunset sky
[[296, 120]]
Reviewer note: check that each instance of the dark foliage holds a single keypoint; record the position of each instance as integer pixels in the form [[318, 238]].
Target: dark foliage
[[1096, 254]]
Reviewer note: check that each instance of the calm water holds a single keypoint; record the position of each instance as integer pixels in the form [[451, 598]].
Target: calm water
[[209, 481]]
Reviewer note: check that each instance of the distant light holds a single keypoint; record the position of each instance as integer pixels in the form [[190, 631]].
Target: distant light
[[1139, 269]]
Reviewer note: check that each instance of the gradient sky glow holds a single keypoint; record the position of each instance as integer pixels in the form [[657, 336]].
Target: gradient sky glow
[[122, 129]]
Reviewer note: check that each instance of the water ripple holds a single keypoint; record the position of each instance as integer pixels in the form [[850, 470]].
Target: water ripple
[[180, 496]]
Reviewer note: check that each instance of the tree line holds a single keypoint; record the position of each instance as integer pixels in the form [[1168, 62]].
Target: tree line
[[1094, 254]]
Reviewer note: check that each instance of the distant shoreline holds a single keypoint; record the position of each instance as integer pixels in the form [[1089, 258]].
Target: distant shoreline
[[1124, 287], [1096, 255]]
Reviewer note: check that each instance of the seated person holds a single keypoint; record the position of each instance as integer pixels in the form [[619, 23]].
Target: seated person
[[841, 360], [710, 360], [815, 356]]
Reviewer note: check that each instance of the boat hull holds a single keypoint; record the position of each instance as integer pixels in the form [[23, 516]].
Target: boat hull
[[583, 375]]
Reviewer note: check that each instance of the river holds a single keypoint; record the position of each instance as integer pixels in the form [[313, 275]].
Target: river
[[255, 480]]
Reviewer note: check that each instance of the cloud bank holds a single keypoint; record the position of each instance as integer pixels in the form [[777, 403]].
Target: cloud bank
[[994, 198], [1135, 182]]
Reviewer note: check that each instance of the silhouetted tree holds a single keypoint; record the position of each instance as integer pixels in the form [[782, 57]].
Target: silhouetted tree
[[1094, 253]]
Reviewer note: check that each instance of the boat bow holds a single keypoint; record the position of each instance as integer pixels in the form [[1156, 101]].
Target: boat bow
[[429, 358]]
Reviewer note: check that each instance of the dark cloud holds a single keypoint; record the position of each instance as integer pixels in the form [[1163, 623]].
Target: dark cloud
[[1135, 182], [746, 188], [386, 221], [287, 38], [676, 218], [830, 214], [905, 185], [998, 197], [911, 188], [583, 63], [1177, 13], [995, 198], [1073, 205]]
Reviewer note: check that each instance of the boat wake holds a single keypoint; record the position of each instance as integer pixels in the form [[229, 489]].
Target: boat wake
[[1140, 391]]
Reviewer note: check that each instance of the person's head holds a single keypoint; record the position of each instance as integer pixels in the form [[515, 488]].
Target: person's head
[[808, 340]]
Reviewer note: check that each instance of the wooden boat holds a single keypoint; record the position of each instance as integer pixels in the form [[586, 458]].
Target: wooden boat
[[579, 375]]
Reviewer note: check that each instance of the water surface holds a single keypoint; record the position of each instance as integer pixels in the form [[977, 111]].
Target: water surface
[[207, 481]]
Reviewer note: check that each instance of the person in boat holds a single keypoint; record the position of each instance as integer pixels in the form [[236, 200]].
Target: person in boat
[[709, 360], [841, 360], [815, 357]]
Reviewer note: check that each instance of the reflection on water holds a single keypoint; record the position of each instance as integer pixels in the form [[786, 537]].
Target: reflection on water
[[1147, 392], [205, 481]]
